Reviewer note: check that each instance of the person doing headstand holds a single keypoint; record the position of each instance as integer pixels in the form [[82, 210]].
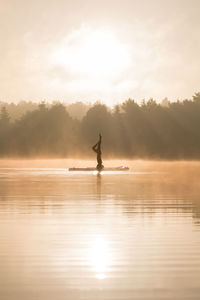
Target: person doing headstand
[[97, 148]]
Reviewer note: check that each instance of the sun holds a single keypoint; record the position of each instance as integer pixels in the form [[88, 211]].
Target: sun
[[93, 54]]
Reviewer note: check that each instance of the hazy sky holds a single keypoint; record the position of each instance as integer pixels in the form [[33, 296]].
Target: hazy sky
[[105, 50]]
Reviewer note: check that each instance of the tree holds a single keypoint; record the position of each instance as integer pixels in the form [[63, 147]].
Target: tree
[[4, 130], [97, 120], [4, 117]]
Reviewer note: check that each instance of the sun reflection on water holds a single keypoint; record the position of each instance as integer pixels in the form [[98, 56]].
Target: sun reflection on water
[[100, 257]]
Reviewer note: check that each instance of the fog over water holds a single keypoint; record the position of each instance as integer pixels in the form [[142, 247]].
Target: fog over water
[[120, 235]]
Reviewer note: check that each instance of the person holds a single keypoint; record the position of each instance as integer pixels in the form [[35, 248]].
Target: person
[[97, 148]]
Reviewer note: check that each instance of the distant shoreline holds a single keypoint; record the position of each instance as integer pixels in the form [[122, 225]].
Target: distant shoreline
[[134, 164]]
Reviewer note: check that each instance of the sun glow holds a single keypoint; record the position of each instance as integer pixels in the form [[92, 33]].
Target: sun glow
[[100, 257], [92, 53]]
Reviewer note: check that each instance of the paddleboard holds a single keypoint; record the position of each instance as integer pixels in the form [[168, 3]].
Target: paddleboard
[[121, 168]]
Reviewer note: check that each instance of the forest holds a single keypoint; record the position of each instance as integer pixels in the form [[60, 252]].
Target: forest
[[170, 130]]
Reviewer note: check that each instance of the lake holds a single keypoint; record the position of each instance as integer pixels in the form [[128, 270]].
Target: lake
[[121, 235]]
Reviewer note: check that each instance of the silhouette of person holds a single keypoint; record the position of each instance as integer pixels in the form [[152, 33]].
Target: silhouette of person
[[97, 148]]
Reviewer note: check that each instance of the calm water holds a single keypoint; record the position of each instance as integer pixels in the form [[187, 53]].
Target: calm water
[[132, 235]]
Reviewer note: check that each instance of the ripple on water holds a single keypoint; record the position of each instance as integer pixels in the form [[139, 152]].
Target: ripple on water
[[80, 236]]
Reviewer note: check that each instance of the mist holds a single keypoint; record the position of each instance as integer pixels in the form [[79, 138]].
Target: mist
[[169, 130]]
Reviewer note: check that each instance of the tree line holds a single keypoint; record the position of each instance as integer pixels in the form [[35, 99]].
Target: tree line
[[149, 130]]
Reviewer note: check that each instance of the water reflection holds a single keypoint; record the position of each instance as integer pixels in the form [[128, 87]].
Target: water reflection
[[99, 178], [100, 256], [113, 236]]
